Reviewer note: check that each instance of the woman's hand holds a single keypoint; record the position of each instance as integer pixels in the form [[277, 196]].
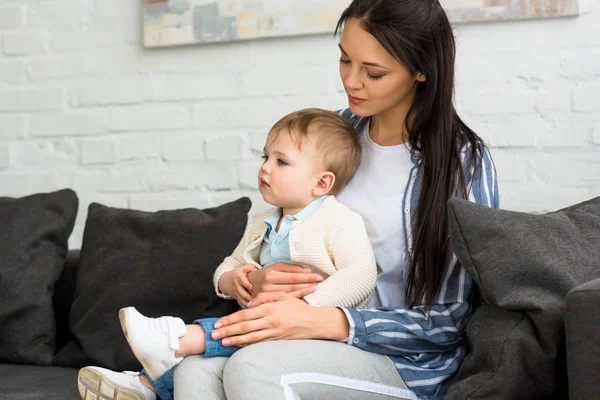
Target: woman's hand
[[281, 316], [282, 277]]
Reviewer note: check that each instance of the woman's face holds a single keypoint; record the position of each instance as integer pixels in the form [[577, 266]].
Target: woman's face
[[374, 80]]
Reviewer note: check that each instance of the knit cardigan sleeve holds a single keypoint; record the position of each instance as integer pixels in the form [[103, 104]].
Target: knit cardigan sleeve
[[356, 271], [237, 259]]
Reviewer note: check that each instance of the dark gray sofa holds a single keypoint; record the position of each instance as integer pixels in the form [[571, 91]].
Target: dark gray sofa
[[582, 323], [534, 335], [48, 382]]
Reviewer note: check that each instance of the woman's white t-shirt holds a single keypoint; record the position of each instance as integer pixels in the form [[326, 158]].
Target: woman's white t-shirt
[[376, 193]]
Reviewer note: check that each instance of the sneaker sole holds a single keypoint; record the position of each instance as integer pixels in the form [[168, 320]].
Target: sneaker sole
[[93, 385], [123, 316]]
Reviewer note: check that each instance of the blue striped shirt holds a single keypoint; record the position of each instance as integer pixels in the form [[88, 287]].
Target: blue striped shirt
[[427, 347]]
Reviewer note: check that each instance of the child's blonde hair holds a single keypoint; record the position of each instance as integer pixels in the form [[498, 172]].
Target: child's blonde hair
[[335, 138]]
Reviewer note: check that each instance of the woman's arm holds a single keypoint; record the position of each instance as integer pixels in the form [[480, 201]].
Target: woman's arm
[[404, 331], [281, 316], [389, 331]]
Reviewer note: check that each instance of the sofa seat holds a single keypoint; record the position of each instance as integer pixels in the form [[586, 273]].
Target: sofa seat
[[32, 382]]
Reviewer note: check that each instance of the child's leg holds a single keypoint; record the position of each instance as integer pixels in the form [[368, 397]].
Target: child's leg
[[150, 340], [162, 386], [209, 387], [160, 344], [193, 342], [213, 348]]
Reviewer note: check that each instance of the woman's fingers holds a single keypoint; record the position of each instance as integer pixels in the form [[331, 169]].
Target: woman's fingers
[[248, 339], [237, 317], [285, 267], [291, 278], [284, 317], [300, 293], [247, 326], [295, 288], [281, 277], [239, 323], [287, 288], [267, 297], [258, 333]]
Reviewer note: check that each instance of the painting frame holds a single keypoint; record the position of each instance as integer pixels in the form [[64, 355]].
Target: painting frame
[[185, 22]]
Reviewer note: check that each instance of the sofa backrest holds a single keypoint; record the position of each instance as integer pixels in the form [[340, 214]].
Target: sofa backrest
[[64, 291]]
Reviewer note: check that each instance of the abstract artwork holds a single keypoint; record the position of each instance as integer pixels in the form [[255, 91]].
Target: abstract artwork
[[173, 22], [494, 10], [179, 22]]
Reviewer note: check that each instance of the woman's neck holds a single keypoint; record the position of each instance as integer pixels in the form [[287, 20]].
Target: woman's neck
[[387, 128]]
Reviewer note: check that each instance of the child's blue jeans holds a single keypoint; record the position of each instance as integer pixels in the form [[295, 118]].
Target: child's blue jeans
[[214, 348]]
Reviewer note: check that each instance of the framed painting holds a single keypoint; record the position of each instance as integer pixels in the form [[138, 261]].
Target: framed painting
[[179, 22], [495, 10]]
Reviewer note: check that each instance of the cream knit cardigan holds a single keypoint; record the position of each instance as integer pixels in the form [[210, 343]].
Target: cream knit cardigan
[[332, 242]]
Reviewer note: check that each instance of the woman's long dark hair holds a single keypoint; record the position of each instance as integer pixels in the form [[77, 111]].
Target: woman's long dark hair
[[418, 34]]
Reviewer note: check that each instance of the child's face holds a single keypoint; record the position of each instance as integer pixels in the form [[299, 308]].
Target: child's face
[[288, 175]]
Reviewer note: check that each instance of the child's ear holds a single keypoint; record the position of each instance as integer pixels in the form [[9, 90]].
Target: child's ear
[[324, 184]]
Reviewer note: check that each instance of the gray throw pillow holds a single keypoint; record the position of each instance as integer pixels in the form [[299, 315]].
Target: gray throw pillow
[[34, 231], [524, 265], [162, 263]]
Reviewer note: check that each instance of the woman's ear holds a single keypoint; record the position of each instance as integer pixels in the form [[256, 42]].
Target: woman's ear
[[421, 77], [324, 184]]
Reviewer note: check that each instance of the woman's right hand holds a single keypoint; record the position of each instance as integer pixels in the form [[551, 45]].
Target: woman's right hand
[[282, 277]]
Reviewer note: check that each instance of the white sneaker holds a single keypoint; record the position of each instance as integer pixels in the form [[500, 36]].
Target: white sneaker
[[153, 340], [97, 383]]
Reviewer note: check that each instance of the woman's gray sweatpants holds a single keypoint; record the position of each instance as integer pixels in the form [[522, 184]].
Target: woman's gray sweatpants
[[291, 370]]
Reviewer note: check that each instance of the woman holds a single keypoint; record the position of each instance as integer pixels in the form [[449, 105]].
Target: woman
[[397, 67]]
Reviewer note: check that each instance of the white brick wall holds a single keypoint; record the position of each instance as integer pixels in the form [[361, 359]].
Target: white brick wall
[[24, 42], [11, 16], [83, 105]]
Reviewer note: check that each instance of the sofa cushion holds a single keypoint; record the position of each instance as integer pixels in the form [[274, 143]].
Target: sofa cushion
[[34, 231], [162, 263], [524, 266], [582, 325], [33, 382]]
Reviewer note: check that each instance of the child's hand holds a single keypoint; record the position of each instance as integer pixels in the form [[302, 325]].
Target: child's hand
[[236, 284]]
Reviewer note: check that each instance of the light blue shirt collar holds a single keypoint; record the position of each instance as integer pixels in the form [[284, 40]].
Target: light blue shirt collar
[[306, 212]]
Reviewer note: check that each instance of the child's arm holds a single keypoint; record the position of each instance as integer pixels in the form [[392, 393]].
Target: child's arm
[[235, 260], [354, 261]]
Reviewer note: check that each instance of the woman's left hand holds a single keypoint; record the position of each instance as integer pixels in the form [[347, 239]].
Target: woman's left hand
[[272, 316]]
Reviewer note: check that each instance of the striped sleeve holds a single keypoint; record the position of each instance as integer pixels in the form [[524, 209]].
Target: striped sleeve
[[405, 332], [481, 178]]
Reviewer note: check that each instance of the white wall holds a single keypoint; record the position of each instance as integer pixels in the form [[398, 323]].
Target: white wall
[[83, 105]]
